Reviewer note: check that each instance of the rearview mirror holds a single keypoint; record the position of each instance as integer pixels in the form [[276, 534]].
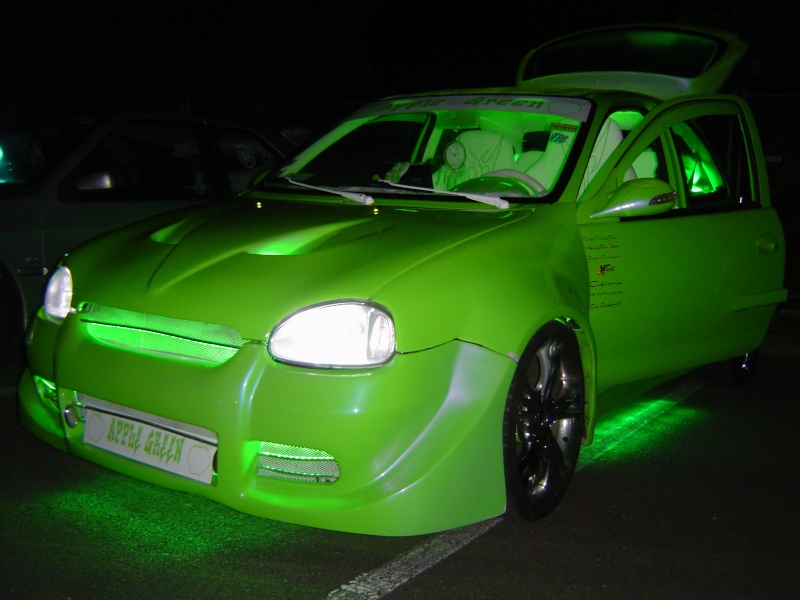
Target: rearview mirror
[[638, 198]]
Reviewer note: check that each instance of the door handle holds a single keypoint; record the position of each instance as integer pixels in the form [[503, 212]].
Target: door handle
[[766, 244], [32, 267], [32, 271]]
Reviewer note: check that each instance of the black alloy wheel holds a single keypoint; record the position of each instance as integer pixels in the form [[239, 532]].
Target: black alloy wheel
[[544, 421]]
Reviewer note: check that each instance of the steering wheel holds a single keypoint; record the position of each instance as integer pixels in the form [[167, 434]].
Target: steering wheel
[[505, 182], [518, 175]]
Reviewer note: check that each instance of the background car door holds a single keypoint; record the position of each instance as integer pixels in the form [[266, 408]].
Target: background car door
[[243, 155], [697, 283], [141, 168]]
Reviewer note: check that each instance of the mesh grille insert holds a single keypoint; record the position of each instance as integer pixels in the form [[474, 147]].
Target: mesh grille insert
[[207, 342], [296, 463]]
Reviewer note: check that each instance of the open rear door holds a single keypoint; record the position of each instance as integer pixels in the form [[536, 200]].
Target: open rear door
[[663, 61]]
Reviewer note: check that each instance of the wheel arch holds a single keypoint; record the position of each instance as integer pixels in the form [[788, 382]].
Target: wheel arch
[[587, 349], [578, 325]]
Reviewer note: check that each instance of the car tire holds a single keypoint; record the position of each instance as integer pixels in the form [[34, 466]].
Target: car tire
[[543, 422]]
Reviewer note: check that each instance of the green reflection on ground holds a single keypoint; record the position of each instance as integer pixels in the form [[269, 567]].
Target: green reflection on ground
[[167, 525], [643, 425]]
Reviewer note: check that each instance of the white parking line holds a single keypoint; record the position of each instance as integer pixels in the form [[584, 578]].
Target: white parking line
[[379, 582]]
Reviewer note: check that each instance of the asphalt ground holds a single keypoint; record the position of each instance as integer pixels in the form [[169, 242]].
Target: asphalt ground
[[689, 491]]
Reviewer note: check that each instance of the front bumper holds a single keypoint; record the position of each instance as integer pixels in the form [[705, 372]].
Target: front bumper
[[416, 443]]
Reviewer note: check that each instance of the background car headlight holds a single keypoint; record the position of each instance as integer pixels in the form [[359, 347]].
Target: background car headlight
[[347, 334], [58, 294]]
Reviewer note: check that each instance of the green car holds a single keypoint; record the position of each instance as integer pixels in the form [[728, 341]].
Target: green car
[[410, 324]]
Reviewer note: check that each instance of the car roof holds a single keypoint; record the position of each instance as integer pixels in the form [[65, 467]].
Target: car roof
[[658, 60]]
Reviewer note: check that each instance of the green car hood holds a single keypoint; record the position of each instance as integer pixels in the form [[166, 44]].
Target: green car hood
[[251, 265]]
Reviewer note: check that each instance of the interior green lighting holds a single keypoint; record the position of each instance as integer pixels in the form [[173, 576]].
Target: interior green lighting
[[627, 119], [701, 181]]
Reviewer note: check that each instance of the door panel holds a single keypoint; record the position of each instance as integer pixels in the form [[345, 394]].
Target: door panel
[[700, 282], [673, 293], [141, 168]]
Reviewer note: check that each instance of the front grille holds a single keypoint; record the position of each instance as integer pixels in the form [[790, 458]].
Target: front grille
[[296, 463], [165, 336]]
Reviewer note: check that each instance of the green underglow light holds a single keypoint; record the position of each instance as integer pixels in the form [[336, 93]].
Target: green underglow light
[[109, 508], [646, 427]]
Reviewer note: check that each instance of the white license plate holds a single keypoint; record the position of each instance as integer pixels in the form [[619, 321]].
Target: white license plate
[[150, 445]]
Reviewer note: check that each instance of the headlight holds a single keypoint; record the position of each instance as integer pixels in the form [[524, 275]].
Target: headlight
[[344, 334], [58, 295]]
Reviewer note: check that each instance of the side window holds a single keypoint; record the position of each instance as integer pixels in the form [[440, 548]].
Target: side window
[[244, 156], [144, 160], [714, 166], [616, 127], [650, 163]]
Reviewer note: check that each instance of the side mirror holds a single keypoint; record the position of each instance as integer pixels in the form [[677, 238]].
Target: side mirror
[[99, 180], [638, 198]]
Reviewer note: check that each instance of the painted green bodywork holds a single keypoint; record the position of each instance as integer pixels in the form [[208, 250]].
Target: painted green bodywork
[[417, 440]]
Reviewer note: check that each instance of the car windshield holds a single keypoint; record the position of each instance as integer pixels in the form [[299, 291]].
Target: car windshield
[[31, 147], [501, 145]]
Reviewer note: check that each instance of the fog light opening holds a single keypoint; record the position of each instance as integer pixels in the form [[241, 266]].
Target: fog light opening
[[72, 416], [46, 389]]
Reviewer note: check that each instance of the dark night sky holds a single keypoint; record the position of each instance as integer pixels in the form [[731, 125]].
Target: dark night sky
[[119, 54]]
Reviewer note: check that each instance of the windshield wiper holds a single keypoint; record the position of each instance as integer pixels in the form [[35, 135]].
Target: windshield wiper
[[361, 198], [483, 198]]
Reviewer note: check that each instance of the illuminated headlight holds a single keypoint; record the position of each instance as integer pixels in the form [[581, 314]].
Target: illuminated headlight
[[345, 334], [58, 295]]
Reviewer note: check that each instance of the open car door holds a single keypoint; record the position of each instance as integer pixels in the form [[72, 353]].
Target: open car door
[[663, 61]]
